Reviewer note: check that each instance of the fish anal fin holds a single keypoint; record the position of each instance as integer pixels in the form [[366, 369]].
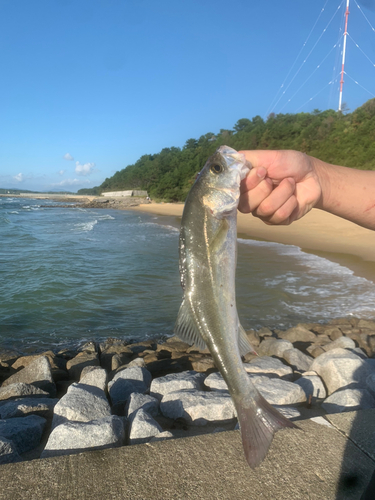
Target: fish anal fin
[[258, 424], [186, 328], [243, 342]]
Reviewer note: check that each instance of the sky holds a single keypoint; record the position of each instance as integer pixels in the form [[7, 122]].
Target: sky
[[89, 86]]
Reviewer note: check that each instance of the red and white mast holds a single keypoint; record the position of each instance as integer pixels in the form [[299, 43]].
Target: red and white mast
[[343, 53]]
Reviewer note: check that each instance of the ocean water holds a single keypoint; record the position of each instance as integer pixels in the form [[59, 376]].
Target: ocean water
[[69, 275]]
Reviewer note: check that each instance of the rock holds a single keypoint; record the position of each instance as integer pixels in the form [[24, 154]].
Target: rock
[[253, 338], [124, 355], [274, 347], [177, 346], [20, 389], [160, 367], [277, 391], [144, 402], [37, 373], [370, 383], [140, 362], [312, 385], [344, 342], [27, 406], [79, 362], [74, 437], [25, 432], [175, 382], [264, 332], [333, 332], [288, 411], [201, 363], [269, 366], [9, 356], [216, 382], [8, 452], [340, 368], [81, 403], [94, 376], [142, 427], [162, 436], [348, 400], [198, 407], [315, 350], [297, 360], [298, 334], [366, 323], [89, 347], [125, 382]]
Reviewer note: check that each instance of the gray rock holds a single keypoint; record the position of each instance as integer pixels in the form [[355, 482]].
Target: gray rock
[[215, 382], [79, 362], [127, 381], [142, 427], [288, 411], [162, 436], [298, 334], [274, 347], [20, 389], [198, 407], [344, 342], [312, 385], [28, 406], [37, 373], [269, 366], [340, 368], [297, 360], [136, 362], [145, 402], [94, 376], [73, 437], [25, 432], [8, 452], [370, 383], [161, 386], [277, 391], [348, 400], [81, 403]]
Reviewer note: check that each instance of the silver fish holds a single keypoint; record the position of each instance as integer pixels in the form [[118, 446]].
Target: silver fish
[[208, 314]]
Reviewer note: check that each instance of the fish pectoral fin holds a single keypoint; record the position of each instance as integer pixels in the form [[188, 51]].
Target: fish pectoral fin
[[243, 342], [218, 238], [186, 328]]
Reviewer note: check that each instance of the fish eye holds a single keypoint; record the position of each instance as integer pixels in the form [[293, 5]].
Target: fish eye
[[216, 169]]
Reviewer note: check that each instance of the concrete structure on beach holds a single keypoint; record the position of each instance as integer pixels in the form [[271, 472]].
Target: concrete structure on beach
[[126, 193]]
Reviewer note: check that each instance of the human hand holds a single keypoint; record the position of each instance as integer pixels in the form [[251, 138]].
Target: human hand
[[281, 187]]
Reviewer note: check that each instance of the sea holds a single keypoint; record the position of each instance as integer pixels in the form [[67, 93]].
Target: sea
[[69, 275]]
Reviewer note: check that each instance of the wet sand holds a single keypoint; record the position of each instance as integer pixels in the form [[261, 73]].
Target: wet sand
[[318, 232]]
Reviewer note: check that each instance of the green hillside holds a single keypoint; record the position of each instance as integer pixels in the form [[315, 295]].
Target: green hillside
[[331, 136]]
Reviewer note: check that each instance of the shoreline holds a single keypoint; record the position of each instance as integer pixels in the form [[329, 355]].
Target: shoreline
[[318, 232]]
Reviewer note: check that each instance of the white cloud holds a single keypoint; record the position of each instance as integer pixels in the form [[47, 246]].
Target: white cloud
[[19, 177], [70, 182], [68, 157], [61, 172], [84, 169]]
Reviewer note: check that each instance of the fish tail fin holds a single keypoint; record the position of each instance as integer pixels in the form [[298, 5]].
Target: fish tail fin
[[258, 424]]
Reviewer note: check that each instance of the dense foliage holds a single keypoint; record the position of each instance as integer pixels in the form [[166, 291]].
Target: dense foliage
[[329, 135]]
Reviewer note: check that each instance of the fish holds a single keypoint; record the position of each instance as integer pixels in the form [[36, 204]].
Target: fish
[[208, 314]]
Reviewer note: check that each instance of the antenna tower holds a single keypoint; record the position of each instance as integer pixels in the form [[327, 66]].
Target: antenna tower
[[343, 53]]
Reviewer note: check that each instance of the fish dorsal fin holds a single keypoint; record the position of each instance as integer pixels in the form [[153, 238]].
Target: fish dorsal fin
[[186, 328], [243, 342]]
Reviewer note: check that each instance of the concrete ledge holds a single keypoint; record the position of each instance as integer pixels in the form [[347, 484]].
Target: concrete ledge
[[317, 462]]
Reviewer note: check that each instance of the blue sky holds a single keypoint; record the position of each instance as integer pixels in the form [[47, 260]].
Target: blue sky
[[89, 86]]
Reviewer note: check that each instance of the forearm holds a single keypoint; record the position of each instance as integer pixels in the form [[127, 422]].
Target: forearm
[[348, 193]]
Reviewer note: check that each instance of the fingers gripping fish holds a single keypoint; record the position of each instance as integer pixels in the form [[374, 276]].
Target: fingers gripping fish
[[208, 314]]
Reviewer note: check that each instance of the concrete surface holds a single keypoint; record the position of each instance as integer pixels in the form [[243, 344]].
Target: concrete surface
[[318, 462]]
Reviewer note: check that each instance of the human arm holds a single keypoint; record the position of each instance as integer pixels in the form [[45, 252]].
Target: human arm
[[284, 185]]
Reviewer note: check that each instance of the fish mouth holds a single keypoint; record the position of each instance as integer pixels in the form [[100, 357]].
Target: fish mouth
[[236, 161]]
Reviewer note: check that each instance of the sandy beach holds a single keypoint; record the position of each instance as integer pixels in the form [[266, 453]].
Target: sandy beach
[[318, 232]]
